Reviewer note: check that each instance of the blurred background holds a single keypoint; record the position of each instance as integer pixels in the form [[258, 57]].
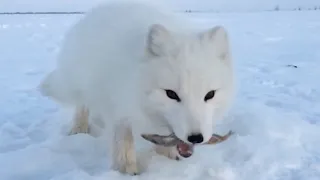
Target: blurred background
[[180, 5]]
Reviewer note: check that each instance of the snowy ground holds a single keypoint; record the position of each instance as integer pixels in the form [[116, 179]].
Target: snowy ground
[[276, 113]]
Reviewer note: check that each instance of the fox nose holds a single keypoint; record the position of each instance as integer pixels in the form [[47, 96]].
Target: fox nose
[[195, 138]]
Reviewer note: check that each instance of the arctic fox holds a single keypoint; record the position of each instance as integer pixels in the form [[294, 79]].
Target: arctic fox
[[136, 65]]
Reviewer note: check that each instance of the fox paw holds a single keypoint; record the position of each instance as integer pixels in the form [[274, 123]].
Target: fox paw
[[79, 128], [126, 168]]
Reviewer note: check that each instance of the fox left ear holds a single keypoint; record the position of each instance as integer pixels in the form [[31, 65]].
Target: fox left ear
[[159, 40], [218, 37]]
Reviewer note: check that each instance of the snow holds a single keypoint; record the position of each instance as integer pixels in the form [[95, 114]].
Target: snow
[[275, 114]]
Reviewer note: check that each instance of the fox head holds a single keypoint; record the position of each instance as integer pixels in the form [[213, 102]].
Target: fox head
[[188, 80]]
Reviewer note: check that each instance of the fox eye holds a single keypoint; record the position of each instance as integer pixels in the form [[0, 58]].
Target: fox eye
[[172, 95], [209, 95]]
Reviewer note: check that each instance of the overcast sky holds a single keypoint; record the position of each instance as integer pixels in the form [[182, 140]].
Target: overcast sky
[[83, 5]]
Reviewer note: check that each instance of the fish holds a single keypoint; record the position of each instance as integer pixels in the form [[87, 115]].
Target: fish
[[184, 149], [172, 140]]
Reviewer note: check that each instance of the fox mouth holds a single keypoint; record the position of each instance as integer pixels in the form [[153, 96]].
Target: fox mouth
[[184, 149]]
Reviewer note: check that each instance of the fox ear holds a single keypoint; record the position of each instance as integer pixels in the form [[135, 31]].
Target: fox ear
[[218, 37], [159, 40]]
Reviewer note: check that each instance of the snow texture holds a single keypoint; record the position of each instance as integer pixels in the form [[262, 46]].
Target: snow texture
[[275, 114]]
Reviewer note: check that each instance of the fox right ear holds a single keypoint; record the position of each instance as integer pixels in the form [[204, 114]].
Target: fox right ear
[[159, 40], [219, 39]]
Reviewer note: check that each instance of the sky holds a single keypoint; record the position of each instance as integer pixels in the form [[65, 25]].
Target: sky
[[217, 5]]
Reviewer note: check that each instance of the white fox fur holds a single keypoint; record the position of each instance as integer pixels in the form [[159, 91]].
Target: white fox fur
[[121, 57]]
